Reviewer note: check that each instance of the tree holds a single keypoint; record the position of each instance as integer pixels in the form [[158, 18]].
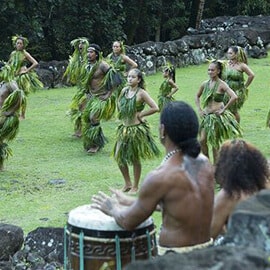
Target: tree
[[196, 15]]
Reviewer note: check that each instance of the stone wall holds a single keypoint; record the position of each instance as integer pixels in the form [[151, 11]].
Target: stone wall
[[210, 41]]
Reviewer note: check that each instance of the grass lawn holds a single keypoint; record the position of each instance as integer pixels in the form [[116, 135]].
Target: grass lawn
[[44, 150]]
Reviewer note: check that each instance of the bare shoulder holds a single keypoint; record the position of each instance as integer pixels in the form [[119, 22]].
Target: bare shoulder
[[199, 167], [155, 179], [224, 202], [104, 66], [201, 161], [123, 91], [202, 86], [142, 93]]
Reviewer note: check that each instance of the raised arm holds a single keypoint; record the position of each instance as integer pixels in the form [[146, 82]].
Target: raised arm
[[32, 60], [174, 87], [129, 217], [129, 61], [153, 107], [198, 99], [245, 68]]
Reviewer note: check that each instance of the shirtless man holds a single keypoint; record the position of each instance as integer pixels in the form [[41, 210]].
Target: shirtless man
[[98, 88], [182, 187]]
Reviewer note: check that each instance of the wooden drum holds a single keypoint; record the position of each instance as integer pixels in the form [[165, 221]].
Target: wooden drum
[[95, 241]]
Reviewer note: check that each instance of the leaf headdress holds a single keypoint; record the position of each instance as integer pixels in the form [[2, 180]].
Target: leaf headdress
[[75, 42], [16, 37], [170, 68]]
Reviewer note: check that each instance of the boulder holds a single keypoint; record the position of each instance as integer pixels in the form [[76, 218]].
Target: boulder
[[11, 240]]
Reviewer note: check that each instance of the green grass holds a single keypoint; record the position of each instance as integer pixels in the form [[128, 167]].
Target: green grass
[[44, 150]]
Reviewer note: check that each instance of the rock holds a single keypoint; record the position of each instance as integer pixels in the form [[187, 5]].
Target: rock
[[11, 240], [212, 258], [45, 242], [249, 223]]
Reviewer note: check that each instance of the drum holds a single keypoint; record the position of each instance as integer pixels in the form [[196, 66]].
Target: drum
[[95, 241]]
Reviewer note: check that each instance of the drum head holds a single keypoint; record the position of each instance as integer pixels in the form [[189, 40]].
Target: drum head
[[93, 219]]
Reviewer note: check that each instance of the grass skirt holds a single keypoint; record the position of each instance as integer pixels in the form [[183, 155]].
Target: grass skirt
[[134, 143], [238, 104], [268, 119], [9, 127], [163, 100], [5, 153], [29, 82], [219, 128], [100, 109], [93, 136]]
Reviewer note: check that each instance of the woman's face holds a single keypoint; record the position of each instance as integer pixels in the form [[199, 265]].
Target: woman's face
[[213, 71], [165, 73], [132, 78], [81, 46], [19, 44], [116, 48], [231, 54]]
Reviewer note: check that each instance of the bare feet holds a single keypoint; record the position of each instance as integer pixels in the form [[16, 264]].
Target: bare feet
[[126, 188], [93, 150], [133, 191], [77, 134]]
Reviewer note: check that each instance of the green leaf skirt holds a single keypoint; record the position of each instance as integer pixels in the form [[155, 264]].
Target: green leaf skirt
[[134, 143]]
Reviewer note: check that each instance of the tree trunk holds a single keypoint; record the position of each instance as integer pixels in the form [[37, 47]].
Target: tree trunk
[[199, 13], [196, 13]]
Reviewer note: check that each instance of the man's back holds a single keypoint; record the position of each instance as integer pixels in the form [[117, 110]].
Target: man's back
[[187, 203]]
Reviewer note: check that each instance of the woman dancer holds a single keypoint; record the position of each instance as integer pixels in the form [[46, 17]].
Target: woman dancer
[[11, 99], [121, 63], [25, 76], [73, 73], [234, 77], [134, 140], [217, 124], [168, 87]]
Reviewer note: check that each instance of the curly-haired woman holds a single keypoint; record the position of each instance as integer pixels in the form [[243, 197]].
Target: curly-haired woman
[[241, 171]]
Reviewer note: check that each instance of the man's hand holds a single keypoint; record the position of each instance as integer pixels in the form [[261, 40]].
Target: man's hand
[[122, 198], [103, 202]]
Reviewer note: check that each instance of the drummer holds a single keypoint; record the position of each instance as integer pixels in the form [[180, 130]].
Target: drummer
[[182, 187]]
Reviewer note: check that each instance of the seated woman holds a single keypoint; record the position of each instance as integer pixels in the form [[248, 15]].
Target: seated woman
[[241, 171]]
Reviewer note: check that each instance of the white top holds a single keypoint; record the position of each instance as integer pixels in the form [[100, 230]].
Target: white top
[[88, 218]]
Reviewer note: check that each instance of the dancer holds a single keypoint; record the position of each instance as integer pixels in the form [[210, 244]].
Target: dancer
[[168, 87], [237, 66], [134, 140], [119, 59], [79, 56], [25, 76], [182, 187], [11, 100], [73, 74], [99, 83], [121, 63], [242, 171], [218, 123]]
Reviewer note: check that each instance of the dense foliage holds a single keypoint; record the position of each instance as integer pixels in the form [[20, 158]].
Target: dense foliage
[[50, 25]]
